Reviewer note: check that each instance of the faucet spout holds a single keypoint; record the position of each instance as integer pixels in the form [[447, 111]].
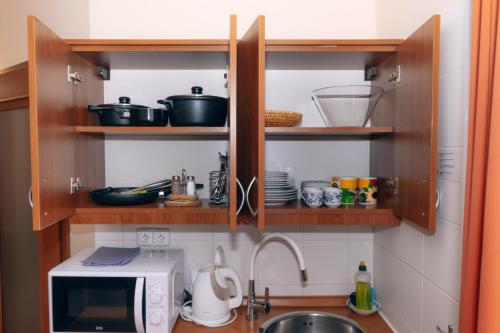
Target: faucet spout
[[252, 303]]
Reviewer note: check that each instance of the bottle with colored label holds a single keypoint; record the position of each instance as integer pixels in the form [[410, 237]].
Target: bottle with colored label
[[363, 281]]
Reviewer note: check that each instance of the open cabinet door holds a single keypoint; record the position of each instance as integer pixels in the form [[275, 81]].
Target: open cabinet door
[[232, 77], [416, 123], [250, 121], [51, 125], [410, 104]]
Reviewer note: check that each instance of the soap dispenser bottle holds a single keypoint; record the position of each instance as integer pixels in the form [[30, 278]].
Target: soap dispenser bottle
[[362, 281]]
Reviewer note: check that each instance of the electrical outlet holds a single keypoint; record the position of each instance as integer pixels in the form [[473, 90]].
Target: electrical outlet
[[161, 237], [144, 237], [153, 237]]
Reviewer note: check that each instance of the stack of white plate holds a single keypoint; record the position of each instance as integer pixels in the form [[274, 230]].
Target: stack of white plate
[[279, 188]]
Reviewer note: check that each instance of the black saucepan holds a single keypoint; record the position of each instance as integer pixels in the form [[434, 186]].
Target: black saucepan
[[196, 109], [126, 114]]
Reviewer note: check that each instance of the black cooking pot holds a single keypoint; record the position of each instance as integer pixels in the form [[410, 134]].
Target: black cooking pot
[[126, 114], [196, 109]]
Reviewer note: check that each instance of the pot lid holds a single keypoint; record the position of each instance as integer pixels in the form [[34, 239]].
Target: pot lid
[[124, 102], [196, 93]]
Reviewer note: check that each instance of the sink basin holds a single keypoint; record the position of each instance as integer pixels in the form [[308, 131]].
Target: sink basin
[[310, 322]]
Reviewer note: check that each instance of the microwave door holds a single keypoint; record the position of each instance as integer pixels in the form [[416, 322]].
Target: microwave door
[[97, 304]]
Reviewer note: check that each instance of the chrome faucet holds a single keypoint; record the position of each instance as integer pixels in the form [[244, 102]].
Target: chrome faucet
[[254, 305]]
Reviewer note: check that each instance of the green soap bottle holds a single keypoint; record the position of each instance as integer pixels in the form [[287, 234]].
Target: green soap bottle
[[362, 281]]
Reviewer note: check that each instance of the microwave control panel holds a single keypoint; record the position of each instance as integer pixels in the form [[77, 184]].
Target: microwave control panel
[[157, 319]]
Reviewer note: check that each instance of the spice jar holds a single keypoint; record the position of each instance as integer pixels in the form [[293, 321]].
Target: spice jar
[[191, 186], [176, 185]]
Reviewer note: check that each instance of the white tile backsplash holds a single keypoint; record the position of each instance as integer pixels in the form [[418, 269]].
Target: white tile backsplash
[[442, 258], [438, 309], [332, 253], [327, 262]]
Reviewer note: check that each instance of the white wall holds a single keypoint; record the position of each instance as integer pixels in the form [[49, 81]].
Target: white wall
[[67, 18], [418, 276], [210, 19]]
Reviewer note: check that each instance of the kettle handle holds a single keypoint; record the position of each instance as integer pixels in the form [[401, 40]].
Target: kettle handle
[[229, 273]]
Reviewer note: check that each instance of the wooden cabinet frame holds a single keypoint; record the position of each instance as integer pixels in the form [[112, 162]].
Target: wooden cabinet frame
[[403, 134]]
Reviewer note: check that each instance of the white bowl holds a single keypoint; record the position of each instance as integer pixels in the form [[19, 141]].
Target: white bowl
[[375, 308]]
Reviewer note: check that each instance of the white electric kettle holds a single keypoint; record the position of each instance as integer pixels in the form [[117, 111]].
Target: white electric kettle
[[212, 303]]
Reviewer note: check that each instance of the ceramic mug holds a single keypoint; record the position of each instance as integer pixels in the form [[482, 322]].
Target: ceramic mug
[[368, 191], [349, 187], [332, 196], [313, 197]]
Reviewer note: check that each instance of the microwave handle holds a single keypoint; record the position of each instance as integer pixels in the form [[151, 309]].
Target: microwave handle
[[138, 299]]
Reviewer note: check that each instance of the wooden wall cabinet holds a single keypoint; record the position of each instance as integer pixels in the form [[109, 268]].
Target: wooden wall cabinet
[[403, 134], [67, 143]]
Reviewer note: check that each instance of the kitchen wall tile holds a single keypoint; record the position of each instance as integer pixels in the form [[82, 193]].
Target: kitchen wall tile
[[442, 257], [406, 242], [384, 274], [243, 233], [278, 265], [453, 34], [326, 262], [82, 237], [280, 290], [326, 232], [359, 250], [237, 256], [326, 289], [451, 110], [394, 319], [196, 255], [294, 231], [108, 232], [191, 232], [451, 202], [360, 232], [439, 309], [408, 300], [110, 243]]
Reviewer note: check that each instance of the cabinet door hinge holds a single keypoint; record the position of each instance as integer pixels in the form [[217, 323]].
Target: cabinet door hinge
[[76, 184], [370, 73], [393, 184], [395, 77], [103, 72], [74, 77]]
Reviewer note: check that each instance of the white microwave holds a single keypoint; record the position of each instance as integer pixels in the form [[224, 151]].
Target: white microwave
[[144, 296]]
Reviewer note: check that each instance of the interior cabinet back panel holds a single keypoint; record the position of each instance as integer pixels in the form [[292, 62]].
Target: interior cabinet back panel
[[89, 148], [250, 122], [51, 125]]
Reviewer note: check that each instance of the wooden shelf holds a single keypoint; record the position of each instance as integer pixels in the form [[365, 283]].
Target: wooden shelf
[[148, 45], [332, 45], [298, 213], [175, 132], [339, 133], [155, 213]]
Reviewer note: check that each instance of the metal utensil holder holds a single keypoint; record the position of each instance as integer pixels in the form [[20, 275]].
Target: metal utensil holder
[[218, 181]]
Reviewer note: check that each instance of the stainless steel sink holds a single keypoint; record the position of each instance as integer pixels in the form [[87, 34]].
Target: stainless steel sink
[[310, 322]]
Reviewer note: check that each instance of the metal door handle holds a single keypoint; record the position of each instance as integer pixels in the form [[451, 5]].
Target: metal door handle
[[249, 188], [242, 198], [438, 199], [30, 197]]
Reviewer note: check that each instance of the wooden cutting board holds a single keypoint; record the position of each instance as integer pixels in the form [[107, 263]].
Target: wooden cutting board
[[183, 203]]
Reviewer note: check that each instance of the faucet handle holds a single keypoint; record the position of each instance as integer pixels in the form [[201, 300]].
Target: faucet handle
[[267, 305]]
